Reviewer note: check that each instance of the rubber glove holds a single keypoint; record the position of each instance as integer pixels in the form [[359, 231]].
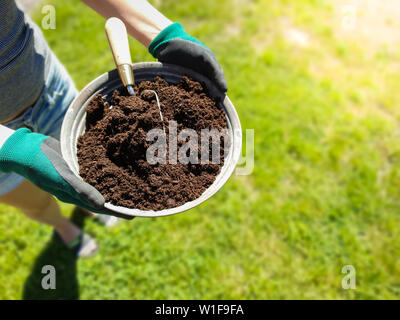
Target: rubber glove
[[38, 158], [173, 45]]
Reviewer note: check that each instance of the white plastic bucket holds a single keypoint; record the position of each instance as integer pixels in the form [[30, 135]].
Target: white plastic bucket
[[74, 126]]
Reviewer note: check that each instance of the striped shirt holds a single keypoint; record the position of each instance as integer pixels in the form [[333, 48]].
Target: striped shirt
[[23, 56]]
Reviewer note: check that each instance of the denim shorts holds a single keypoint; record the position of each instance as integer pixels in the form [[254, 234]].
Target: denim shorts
[[46, 115]]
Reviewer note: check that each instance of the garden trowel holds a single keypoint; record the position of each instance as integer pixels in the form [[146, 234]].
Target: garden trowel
[[118, 40]]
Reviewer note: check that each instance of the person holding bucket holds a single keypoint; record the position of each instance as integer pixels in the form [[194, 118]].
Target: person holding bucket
[[36, 91]]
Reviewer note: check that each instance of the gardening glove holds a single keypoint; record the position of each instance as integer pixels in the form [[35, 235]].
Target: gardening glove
[[173, 45], [37, 158]]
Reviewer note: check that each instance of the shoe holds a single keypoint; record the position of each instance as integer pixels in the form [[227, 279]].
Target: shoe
[[108, 221], [83, 246]]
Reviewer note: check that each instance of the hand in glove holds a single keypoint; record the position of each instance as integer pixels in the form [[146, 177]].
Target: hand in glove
[[173, 45], [38, 158]]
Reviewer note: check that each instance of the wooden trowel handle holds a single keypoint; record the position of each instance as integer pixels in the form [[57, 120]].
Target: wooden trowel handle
[[118, 40]]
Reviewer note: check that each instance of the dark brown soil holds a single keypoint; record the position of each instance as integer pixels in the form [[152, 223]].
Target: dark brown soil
[[112, 152]]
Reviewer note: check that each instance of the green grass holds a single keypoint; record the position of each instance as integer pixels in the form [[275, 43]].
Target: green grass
[[325, 188]]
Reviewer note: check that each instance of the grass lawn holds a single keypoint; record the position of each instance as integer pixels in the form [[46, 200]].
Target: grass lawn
[[324, 192]]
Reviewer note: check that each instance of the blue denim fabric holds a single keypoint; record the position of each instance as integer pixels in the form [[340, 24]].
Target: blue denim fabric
[[45, 116]]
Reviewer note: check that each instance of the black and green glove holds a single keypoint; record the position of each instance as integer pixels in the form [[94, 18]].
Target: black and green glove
[[38, 158], [173, 45]]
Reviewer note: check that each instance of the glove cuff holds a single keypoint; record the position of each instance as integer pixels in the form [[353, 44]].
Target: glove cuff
[[173, 31], [18, 150]]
